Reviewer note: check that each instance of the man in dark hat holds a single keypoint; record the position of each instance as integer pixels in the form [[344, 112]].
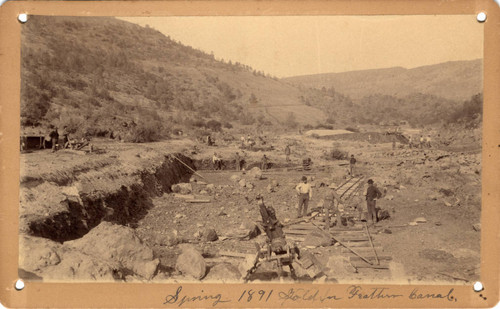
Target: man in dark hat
[[304, 192], [372, 194]]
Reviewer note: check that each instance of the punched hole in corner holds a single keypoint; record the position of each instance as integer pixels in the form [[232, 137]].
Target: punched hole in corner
[[23, 17], [481, 17], [19, 285], [478, 286]]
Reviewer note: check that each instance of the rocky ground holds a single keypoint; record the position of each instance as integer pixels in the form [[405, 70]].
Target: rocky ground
[[174, 238]]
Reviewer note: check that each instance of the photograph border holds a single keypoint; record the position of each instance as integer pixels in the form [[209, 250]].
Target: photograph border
[[37, 294]]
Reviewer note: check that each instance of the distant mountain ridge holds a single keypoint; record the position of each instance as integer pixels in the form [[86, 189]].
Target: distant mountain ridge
[[453, 80]]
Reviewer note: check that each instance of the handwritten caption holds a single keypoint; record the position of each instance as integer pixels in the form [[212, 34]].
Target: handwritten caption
[[180, 297]]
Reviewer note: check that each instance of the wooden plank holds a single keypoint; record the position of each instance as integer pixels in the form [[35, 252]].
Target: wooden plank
[[288, 232], [382, 266], [184, 196], [198, 201], [234, 254], [301, 227], [353, 238], [347, 233], [295, 238], [371, 258], [361, 244], [367, 249]]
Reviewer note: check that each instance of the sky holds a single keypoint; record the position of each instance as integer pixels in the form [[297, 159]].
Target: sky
[[286, 46]]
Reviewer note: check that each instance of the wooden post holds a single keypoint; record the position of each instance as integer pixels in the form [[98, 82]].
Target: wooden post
[[371, 243], [332, 237], [189, 167]]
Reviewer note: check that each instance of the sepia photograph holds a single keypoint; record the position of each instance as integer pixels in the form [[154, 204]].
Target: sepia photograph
[[251, 149]]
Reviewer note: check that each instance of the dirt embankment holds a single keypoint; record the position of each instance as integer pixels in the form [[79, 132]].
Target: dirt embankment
[[66, 209]]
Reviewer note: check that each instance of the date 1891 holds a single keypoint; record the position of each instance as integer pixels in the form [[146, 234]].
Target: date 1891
[[260, 295]]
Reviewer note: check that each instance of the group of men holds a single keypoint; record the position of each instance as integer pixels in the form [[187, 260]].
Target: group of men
[[332, 201], [240, 161], [423, 142]]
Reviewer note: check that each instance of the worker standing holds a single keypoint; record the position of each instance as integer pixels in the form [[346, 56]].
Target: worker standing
[[54, 139], [237, 161], [372, 194], [304, 192], [287, 153], [352, 162], [330, 205], [265, 163], [216, 160]]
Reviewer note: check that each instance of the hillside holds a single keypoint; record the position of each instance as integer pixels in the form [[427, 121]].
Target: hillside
[[106, 77], [103, 76], [456, 80]]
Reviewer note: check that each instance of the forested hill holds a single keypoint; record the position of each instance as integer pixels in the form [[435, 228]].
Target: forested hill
[[100, 75], [455, 80]]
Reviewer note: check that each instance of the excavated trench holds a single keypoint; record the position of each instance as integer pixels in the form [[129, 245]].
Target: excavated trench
[[125, 206]]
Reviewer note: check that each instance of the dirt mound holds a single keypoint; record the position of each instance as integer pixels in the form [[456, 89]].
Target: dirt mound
[[112, 194], [371, 137]]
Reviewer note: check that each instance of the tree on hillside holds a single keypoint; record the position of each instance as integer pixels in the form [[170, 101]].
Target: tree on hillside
[[291, 121], [253, 99]]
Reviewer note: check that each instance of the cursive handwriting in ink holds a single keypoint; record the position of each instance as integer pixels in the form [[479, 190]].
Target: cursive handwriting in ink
[[176, 298], [374, 293], [415, 294], [311, 295]]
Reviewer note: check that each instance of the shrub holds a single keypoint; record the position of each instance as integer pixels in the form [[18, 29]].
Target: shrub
[[214, 125], [324, 126], [227, 125], [145, 132], [290, 121], [356, 130], [336, 154]]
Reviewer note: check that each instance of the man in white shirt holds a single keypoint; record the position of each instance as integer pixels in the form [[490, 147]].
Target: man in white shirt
[[304, 192]]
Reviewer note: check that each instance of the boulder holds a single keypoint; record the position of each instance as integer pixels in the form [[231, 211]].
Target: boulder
[[76, 265], [182, 188], [420, 220], [210, 188], [191, 263], [477, 227], [246, 265], [270, 188], [235, 178], [224, 272], [383, 214], [249, 229], [274, 183], [242, 183], [255, 172], [170, 238], [37, 253], [250, 186], [210, 235], [317, 239], [117, 244]]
